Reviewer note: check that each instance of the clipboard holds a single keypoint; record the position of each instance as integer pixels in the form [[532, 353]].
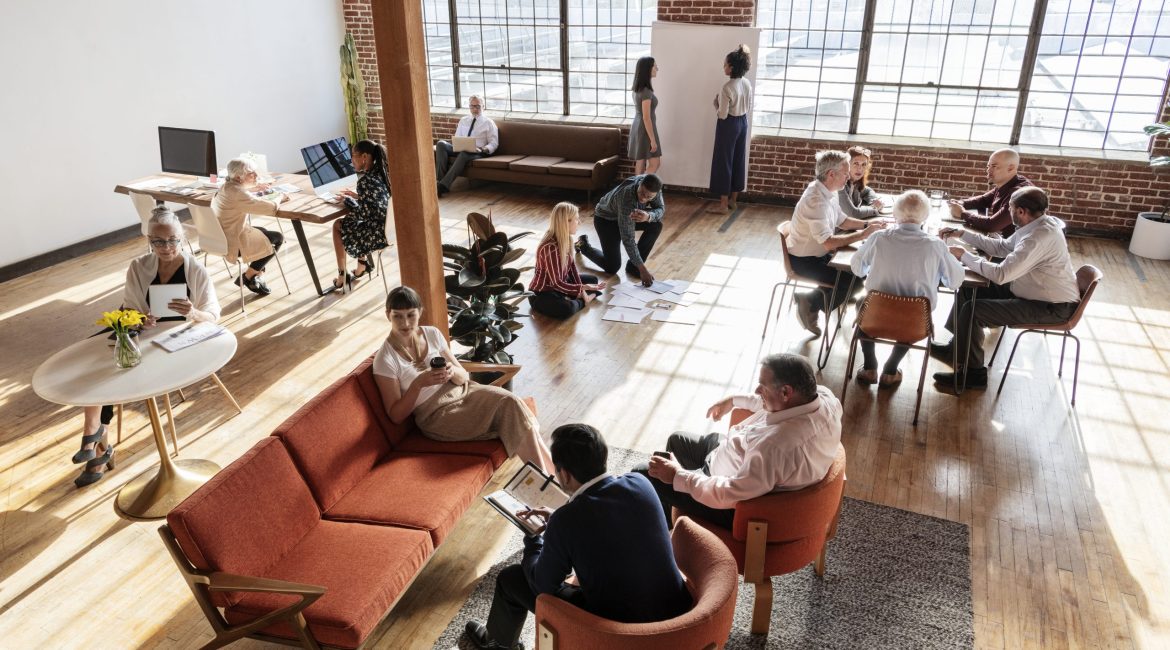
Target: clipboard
[[161, 295], [528, 488]]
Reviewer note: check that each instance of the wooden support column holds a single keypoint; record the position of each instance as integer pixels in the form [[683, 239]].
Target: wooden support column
[[406, 109]]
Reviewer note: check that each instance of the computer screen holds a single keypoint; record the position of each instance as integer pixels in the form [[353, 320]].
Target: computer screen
[[187, 151], [328, 161]]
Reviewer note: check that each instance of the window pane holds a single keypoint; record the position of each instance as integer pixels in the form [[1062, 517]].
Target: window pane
[[605, 41]]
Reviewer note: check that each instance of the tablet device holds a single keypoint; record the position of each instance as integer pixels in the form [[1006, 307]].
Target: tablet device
[[464, 143], [161, 295]]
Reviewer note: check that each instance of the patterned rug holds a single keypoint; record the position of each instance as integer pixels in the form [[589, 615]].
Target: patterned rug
[[893, 579]]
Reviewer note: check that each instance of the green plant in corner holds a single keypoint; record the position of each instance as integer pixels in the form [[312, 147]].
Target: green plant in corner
[[1155, 130], [353, 88], [483, 294]]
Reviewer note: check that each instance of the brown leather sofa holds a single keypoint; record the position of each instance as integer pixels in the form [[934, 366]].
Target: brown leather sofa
[[314, 533], [552, 155]]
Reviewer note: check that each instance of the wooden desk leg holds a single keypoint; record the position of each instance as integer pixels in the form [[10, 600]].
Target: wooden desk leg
[[171, 421], [299, 229], [226, 393], [153, 493]]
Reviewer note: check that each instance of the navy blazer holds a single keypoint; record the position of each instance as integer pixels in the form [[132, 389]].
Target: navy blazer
[[614, 537]]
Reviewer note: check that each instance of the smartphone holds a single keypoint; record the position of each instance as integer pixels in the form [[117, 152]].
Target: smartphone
[[663, 454], [438, 362]]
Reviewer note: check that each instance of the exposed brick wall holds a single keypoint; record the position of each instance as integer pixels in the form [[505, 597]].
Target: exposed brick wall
[[1092, 195]]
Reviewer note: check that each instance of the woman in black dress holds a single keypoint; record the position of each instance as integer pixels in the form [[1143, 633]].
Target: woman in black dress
[[363, 230]]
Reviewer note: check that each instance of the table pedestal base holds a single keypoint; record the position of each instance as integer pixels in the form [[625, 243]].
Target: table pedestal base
[[153, 493]]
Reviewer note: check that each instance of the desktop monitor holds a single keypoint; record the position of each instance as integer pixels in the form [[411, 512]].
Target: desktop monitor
[[187, 151], [329, 165]]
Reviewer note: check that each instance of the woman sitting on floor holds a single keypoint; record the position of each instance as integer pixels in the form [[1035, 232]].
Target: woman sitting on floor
[[857, 199], [446, 405], [363, 230], [165, 264], [560, 290]]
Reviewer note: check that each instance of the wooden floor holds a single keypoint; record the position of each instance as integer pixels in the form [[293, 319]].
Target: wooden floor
[[1069, 510]]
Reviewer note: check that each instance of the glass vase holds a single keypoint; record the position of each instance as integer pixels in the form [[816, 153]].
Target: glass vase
[[127, 354]]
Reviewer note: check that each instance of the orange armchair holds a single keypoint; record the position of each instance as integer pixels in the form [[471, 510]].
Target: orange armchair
[[712, 578], [782, 532]]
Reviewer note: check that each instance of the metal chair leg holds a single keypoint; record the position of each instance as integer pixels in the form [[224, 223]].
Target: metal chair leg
[[1009, 363], [1002, 333], [1076, 367], [240, 271], [227, 393], [922, 380], [1063, 342], [282, 275], [849, 365], [768, 314], [382, 271]]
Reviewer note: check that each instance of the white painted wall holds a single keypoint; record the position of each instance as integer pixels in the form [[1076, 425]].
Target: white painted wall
[[85, 85]]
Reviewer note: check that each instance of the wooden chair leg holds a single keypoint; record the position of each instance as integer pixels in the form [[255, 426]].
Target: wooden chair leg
[[762, 607], [181, 395], [226, 393], [119, 411], [171, 421]]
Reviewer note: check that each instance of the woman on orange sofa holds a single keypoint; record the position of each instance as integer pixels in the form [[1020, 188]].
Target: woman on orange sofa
[[417, 374]]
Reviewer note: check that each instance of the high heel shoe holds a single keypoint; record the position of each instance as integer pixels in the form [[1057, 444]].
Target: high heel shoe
[[367, 268], [96, 469], [347, 283], [92, 439]]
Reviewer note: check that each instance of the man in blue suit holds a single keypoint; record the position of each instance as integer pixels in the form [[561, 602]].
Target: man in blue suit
[[610, 534]]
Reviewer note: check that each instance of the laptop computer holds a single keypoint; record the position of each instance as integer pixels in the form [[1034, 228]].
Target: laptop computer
[[464, 143]]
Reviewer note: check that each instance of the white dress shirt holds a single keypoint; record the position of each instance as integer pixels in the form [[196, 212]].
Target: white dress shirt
[[735, 98], [907, 261], [815, 218], [486, 134], [767, 452], [1035, 261]]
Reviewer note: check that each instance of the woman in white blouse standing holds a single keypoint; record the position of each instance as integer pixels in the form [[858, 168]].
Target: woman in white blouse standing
[[733, 105]]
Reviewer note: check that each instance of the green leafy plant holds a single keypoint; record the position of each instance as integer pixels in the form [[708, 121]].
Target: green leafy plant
[[1154, 131], [353, 88], [483, 293]]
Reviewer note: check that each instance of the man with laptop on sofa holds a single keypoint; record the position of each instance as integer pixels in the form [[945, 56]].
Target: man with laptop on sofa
[[475, 137]]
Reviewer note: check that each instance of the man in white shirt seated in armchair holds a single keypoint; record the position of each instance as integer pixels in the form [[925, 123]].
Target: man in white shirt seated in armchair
[[475, 125], [788, 443], [1035, 282]]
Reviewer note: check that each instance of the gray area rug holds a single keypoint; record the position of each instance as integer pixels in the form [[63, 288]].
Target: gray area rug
[[893, 579]]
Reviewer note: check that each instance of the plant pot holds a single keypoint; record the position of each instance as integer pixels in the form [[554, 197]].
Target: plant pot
[[1151, 238]]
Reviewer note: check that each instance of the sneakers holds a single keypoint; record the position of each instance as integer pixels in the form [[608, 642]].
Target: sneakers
[[867, 377], [889, 381], [478, 635], [255, 284], [976, 378], [581, 242], [809, 317]]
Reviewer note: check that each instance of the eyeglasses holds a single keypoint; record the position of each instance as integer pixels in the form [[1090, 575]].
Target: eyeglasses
[[476, 105], [164, 243]]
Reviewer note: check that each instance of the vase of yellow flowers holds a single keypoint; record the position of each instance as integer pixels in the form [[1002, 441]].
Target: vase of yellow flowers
[[124, 322]]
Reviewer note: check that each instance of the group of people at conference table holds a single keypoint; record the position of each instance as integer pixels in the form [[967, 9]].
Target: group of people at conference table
[[790, 440]]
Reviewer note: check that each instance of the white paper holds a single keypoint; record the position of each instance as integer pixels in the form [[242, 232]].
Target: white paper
[[162, 294], [188, 336], [637, 292], [680, 316], [623, 300], [623, 315], [684, 299], [152, 183], [286, 188], [660, 287]]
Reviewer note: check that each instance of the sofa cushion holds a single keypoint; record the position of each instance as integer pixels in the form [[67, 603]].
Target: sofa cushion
[[365, 378], [363, 568], [572, 168], [424, 491], [335, 439], [495, 162], [493, 450], [572, 141], [247, 517], [535, 164]]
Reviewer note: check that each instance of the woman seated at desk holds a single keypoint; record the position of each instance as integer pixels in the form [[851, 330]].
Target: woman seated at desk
[[363, 230], [165, 264], [857, 199], [559, 290], [903, 261], [256, 246], [417, 374]]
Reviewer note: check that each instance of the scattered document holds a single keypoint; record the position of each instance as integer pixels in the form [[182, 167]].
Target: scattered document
[[660, 287], [636, 291], [286, 188], [152, 184], [627, 301], [160, 295], [684, 299], [185, 337], [624, 315], [679, 316]]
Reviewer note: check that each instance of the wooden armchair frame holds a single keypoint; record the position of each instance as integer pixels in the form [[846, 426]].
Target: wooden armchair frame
[[203, 583], [508, 370]]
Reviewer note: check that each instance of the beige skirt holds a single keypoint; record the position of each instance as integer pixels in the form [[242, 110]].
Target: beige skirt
[[476, 412]]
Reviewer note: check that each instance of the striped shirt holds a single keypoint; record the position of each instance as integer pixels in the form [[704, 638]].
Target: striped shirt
[[555, 273]]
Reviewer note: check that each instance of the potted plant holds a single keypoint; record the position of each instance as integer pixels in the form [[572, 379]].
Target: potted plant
[[1151, 231], [353, 88], [483, 293]]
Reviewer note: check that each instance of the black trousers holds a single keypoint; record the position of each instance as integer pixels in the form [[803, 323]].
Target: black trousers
[[609, 258], [513, 600], [277, 239], [818, 269], [993, 306], [446, 169], [690, 450], [556, 304]]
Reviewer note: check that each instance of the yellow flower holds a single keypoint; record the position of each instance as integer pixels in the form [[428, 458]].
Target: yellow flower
[[109, 318], [131, 318]]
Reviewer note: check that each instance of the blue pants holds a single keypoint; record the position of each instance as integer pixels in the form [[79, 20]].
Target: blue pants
[[729, 157]]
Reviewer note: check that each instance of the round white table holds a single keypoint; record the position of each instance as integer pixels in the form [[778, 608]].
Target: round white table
[[84, 374]]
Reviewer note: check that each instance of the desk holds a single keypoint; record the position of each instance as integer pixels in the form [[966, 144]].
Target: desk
[[84, 374], [300, 207]]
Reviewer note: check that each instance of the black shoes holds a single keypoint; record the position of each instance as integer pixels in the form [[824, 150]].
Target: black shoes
[[943, 352], [255, 284], [442, 189], [581, 242], [96, 468], [633, 270], [478, 635], [975, 378]]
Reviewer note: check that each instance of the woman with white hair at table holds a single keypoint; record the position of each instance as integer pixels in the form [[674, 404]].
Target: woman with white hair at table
[[903, 261], [232, 204], [166, 263]]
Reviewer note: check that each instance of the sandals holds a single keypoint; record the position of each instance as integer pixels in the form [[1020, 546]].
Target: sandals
[[96, 469], [347, 283], [367, 268], [92, 439]]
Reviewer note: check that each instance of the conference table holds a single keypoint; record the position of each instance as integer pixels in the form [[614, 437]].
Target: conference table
[[84, 374], [300, 206]]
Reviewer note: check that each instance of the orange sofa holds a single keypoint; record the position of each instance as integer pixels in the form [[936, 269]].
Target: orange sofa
[[314, 533]]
